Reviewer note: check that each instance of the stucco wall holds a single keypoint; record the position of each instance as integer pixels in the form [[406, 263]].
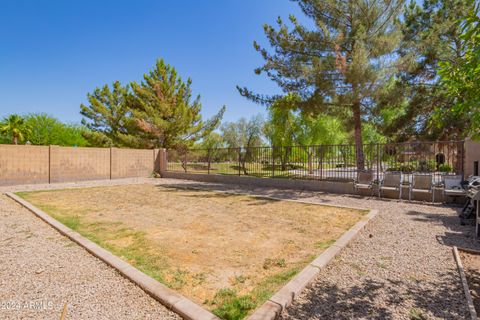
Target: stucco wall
[[472, 154], [128, 163], [77, 164], [25, 164]]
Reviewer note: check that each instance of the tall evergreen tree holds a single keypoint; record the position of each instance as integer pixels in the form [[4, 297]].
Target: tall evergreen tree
[[163, 112], [338, 65]]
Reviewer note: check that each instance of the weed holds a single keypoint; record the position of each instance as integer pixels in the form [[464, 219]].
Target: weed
[[417, 315], [277, 262], [324, 244], [230, 306], [240, 279]]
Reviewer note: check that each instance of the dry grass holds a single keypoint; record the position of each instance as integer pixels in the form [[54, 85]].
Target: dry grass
[[228, 252]]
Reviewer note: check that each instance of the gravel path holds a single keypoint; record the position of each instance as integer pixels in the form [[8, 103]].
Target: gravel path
[[400, 267], [41, 271]]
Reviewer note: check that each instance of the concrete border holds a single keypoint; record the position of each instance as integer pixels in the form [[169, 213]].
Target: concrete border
[[466, 289], [285, 296], [186, 308]]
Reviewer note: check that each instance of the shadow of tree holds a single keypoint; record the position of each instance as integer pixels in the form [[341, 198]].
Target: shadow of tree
[[372, 299], [457, 235]]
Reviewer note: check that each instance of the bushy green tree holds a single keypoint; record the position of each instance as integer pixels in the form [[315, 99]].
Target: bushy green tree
[[462, 77], [242, 136], [47, 130], [281, 125], [337, 66], [243, 133], [213, 141], [430, 35]]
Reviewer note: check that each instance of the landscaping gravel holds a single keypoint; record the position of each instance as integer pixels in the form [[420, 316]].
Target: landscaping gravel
[[41, 271], [400, 266]]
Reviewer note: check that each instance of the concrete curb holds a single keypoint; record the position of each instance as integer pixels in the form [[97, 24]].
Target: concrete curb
[[186, 308], [285, 296], [466, 289]]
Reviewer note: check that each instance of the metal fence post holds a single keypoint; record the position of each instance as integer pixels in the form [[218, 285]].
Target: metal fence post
[[185, 160], [209, 161], [273, 162], [239, 160]]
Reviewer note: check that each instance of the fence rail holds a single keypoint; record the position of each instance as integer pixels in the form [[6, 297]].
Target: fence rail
[[323, 162]]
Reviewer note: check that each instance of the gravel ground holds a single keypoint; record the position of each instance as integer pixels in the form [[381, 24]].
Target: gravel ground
[[41, 271], [400, 267]]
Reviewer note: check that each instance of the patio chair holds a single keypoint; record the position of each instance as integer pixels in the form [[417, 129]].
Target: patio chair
[[391, 181], [452, 186], [364, 181], [421, 183]]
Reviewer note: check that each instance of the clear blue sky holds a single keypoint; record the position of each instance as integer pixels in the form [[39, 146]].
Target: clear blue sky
[[53, 52]]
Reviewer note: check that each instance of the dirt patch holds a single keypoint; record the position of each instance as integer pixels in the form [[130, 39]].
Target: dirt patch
[[471, 264], [218, 249]]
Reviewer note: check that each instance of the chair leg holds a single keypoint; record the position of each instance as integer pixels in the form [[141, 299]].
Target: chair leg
[[400, 193]]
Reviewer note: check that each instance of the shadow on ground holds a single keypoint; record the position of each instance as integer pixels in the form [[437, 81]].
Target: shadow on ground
[[370, 300]]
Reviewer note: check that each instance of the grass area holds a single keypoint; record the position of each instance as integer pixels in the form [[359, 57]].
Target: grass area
[[255, 169], [227, 252]]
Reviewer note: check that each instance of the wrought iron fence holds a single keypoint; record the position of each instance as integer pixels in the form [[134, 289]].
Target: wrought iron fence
[[323, 162]]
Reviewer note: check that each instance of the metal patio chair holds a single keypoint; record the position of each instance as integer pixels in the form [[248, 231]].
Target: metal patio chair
[[421, 183], [392, 181], [364, 181], [452, 185]]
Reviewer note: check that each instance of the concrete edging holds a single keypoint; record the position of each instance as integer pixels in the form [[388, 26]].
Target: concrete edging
[[186, 308], [466, 289]]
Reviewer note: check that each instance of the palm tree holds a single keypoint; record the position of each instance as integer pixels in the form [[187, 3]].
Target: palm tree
[[15, 126]]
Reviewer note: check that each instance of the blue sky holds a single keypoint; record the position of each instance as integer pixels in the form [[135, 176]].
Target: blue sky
[[53, 52]]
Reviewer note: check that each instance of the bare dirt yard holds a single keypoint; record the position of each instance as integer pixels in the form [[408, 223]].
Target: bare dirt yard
[[228, 252]]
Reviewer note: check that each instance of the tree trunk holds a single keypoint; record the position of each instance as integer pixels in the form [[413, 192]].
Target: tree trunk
[[15, 139], [310, 160], [358, 136]]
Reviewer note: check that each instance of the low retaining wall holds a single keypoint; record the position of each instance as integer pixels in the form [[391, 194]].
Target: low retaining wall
[[325, 186], [311, 185]]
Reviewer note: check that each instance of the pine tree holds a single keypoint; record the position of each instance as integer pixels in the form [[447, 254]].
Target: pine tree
[[106, 115], [163, 112], [338, 65]]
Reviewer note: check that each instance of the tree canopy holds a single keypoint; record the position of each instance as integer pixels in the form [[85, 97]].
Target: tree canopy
[[338, 66], [462, 78], [158, 112]]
